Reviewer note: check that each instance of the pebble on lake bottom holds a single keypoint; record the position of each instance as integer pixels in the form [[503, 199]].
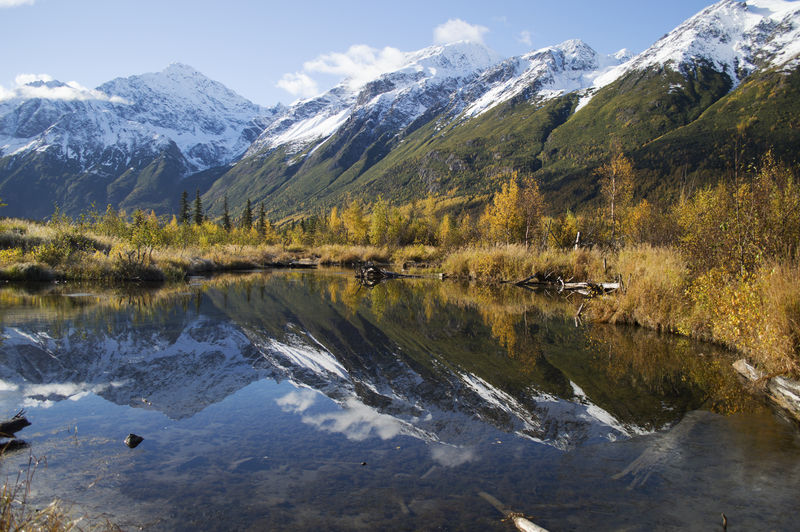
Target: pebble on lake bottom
[[133, 440]]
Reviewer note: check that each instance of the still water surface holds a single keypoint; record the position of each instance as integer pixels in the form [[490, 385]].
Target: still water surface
[[286, 400]]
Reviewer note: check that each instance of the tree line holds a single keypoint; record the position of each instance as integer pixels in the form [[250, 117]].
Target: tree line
[[751, 216]]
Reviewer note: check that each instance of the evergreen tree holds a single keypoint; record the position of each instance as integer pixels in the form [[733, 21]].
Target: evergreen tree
[[198, 209], [185, 208], [226, 217], [247, 217], [261, 226]]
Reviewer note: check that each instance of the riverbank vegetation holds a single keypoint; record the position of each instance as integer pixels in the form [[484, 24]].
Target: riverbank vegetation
[[719, 263]]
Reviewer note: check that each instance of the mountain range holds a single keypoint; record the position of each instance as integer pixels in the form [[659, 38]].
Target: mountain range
[[446, 122]]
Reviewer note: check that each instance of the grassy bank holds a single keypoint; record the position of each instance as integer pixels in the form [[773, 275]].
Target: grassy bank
[[757, 314], [31, 251]]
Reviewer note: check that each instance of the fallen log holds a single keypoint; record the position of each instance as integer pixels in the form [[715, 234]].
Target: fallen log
[[585, 288], [782, 391], [520, 521], [370, 275], [8, 429]]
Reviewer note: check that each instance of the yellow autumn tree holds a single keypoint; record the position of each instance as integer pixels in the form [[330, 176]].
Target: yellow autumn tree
[[379, 223], [355, 224], [616, 186], [502, 217], [531, 207], [335, 224]]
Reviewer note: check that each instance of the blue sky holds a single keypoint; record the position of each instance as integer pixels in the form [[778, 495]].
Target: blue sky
[[251, 46]]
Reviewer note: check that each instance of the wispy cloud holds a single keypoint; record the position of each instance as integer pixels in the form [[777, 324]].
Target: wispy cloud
[[298, 84], [357, 422], [525, 38], [362, 63], [359, 64], [458, 30], [297, 401], [24, 79], [15, 3], [45, 87]]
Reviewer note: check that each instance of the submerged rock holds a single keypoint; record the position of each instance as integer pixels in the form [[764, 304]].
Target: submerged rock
[[133, 440]]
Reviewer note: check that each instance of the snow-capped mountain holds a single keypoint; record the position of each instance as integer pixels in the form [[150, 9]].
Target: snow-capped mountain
[[131, 140], [428, 80], [104, 127], [547, 73], [731, 36]]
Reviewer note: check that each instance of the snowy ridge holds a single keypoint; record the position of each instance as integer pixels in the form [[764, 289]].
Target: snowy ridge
[[732, 36], [307, 121], [104, 128], [736, 37], [429, 78], [547, 73]]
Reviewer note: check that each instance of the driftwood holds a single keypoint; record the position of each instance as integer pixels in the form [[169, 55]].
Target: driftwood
[[586, 288], [520, 521], [782, 391], [370, 275], [8, 429]]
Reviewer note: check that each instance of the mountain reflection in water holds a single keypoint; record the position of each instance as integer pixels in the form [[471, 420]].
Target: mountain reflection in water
[[451, 366]]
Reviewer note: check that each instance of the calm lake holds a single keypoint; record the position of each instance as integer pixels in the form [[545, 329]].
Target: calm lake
[[300, 400]]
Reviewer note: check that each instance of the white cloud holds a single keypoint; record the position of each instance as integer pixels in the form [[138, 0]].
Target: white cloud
[[457, 30], [525, 38], [24, 79], [452, 456], [362, 63], [298, 84], [15, 3], [298, 401], [357, 422], [359, 64], [71, 90]]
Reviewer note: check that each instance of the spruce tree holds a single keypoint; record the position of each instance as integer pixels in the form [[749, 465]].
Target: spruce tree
[[247, 217], [185, 208], [198, 209], [261, 226], [226, 217]]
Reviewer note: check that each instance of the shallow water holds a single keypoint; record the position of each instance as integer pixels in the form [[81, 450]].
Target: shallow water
[[302, 401]]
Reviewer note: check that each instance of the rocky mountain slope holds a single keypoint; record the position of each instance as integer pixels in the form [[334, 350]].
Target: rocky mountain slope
[[558, 113], [445, 121], [122, 143]]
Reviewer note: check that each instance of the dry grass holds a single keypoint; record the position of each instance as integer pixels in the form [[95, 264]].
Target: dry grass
[[417, 253], [757, 315], [515, 262], [16, 513], [656, 280], [346, 255]]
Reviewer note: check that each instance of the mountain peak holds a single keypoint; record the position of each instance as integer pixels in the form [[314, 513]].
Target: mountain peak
[[457, 59], [181, 70], [623, 55], [50, 84], [735, 37]]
